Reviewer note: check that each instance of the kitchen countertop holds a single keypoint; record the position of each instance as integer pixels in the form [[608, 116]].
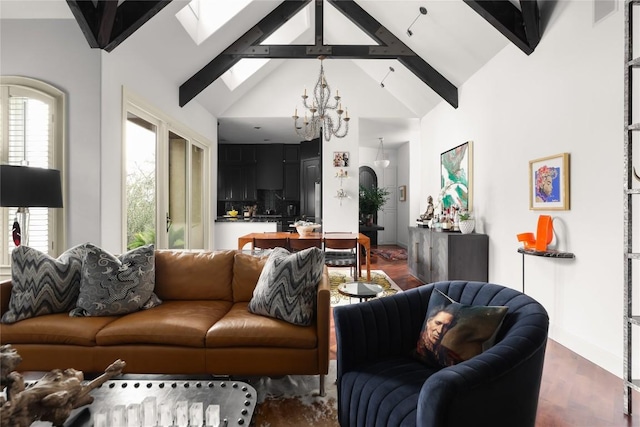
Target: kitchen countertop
[[249, 219]]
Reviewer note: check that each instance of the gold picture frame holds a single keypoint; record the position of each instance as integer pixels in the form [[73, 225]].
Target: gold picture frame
[[549, 183], [402, 193]]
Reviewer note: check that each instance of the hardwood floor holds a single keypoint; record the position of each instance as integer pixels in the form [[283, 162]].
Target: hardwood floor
[[574, 391]]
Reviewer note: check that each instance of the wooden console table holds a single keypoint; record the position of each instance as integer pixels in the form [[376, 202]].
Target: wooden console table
[[545, 254]]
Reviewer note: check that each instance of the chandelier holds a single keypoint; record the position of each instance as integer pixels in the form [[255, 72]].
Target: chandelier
[[322, 113]]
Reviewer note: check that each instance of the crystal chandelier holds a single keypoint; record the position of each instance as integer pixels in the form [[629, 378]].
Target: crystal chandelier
[[322, 113]]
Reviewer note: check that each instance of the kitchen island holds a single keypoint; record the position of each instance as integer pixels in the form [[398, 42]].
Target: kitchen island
[[227, 230]]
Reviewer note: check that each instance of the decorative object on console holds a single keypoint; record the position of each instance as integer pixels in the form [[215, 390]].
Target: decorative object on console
[[25, 187], [543, 237], [381, 160], [42, 284], [113, 285], [52, 398], [454, 332], [549, 183], [456, 172], [466, 223], [286, 289], [321, 109]]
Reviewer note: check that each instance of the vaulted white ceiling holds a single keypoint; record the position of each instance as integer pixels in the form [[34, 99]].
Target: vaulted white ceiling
[[451, 37]]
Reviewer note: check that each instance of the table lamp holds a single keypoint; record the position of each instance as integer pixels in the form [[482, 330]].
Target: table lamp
[[23, 187]]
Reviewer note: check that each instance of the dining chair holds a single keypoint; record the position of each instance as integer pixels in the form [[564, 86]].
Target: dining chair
[[341, 250], [269, 243], [296, 245]]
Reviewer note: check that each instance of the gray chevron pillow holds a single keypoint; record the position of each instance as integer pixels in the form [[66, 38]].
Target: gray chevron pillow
[[113, 285], [42, 284], [287, 286]]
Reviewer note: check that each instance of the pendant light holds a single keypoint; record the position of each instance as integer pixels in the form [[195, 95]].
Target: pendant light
[[380, 160]]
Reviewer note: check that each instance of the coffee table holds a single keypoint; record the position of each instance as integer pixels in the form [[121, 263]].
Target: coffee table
[[362, 291], [236, 400]]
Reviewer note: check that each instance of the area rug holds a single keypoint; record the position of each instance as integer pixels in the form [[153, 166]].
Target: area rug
[[294, 400], [399, 254], [379, 277]]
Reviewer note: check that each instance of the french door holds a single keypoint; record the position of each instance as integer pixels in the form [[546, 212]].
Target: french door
[[165, 184]]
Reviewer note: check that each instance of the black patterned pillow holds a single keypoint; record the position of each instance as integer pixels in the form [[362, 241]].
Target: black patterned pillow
[[114, 285], [42, 284], [287, 286]]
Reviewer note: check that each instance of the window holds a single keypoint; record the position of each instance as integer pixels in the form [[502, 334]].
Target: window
[[166, 181], [31, 134]]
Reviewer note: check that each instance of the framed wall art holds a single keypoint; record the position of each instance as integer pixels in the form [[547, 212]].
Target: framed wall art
[[340, 159], [402, 193], [456, 174], [549, 183]]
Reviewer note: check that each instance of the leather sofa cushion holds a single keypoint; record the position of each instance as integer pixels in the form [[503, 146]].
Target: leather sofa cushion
[[241, 328], [246, 272], [194, 276], [180, 323], [55, 329]]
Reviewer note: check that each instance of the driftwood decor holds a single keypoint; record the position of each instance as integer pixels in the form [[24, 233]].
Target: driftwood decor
[[52, 398]]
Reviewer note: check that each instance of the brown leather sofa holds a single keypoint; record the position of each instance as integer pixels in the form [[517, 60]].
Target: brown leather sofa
[[202, 326]]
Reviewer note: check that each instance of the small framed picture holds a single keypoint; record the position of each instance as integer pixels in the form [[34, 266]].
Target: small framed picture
[[402, 193], [549, 183], [340, 159]]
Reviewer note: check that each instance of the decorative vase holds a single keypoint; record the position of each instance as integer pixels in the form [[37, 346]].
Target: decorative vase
[[467, 226]]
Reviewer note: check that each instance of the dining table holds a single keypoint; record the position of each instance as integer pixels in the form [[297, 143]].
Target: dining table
[[364, 243]]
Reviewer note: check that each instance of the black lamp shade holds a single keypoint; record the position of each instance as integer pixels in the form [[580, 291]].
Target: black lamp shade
[[23, 186]]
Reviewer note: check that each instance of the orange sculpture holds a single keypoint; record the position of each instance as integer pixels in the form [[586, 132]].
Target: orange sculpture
[[543, 237]]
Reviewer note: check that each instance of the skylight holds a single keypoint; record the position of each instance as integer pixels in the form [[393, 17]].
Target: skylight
[[202, 18]]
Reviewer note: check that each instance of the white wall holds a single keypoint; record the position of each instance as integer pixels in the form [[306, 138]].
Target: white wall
[[56, 52], [566, 97]]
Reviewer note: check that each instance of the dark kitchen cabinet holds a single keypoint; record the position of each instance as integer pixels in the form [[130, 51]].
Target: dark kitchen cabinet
[[291, 172], [269, 171], [237, 173], [291, 190], [291, 153]]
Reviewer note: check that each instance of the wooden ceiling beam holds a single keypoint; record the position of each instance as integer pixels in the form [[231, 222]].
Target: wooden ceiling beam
[[522, 28], [106, 25], [244, 47], [392, 44], [248, 46]]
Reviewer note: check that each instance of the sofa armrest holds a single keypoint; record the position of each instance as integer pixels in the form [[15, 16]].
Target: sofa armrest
[[379, 328], [5, 295], [323, 312]]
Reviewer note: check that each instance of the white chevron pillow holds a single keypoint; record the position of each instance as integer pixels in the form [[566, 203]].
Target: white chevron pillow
[[42, 284], [287, 286]]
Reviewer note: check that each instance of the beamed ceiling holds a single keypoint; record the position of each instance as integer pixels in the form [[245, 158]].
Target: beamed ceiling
[[107, 23]]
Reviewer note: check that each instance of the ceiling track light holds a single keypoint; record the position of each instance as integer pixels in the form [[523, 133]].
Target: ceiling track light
[[423, 11], [391, 70]]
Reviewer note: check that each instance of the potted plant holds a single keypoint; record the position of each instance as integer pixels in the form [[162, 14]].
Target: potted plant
[[371, 200], [466, 223]]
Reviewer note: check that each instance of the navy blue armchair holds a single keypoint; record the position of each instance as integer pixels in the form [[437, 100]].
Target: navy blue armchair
[[381, 384]]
